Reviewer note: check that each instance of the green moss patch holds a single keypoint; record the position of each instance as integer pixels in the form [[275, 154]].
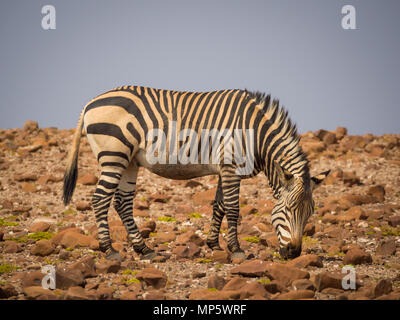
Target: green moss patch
[[166, 219], [252, 239]]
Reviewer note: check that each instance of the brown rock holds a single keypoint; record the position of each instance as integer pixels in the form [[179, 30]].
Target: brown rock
[[11, 247], [67, 277], [189, 251], [39, 227], [25, 177], [32, 279], [190, 236], [145, 232], [251, 268], [158, 197], [296, 295], [235, 284], [107, 266], [328, 280], [220, 256], [309, 230], [153, 277], [265, 206], [39, 293], [73, 239], [56, 239], [216, 282], [383, 286], [247, 210], [357, 256], [377, 193], [253, 289], [357, 213], [312, 146], [154, 295], [204, 197], [30, 125], [275, 287], [28, 187], [88, 179], [118, 233], [83, 206], [305, 261], [204, 294], [42, 248], [76, 293], [394, 221], [105, 293], [7, 291], [285, 274], [340, 133], [141, 204], [386, 248], [86, 266], [350, 178], [163, 237], [150, 225], [303, 284]]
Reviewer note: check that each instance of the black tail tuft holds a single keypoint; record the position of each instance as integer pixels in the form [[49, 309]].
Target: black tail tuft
[[70, 178]]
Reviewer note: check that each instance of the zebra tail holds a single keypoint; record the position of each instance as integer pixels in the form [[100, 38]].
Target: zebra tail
[[71, 172]]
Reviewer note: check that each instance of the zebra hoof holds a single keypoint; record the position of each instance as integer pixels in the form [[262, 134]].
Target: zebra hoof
[[114, 256], [148, 256], [238, 255]]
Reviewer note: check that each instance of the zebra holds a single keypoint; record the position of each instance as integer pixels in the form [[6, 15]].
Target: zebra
[[118, 122]]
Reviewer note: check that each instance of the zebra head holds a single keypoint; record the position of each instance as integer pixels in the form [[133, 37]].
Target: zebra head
[[292, 210]]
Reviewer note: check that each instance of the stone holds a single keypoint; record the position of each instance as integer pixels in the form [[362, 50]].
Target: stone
[[274, 287], [357, 213], [150, 225], [247, 210], [36, 292], [153, 277], [42, 248], [384, 286], [28, 187], [357, 256], [76, 293], [251, 268], [350, 178], [204, 197], [309, 230], [67, 277], [303, 284], [154, 295], [386, 247], [340, 132], [377, 193], [11, 247], [74, 239], [190, 236], [235, 284], [306, 261], [104, 293], [204, 294], [189, 251], [220, 256], [253, 289], [328, 280], [296, 295], [7, 291], [86, 266], [285, 274], [39, 227], [216, 282], [107, 266], [118, 233], [56, 239], [141, 204], [265, 206], [32, 279], [83, 206], [394, 221], [88, 179], [162, 237], [31, 125]]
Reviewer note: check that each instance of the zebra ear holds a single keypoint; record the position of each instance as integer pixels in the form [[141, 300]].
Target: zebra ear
[[284, 176], [317, 180]]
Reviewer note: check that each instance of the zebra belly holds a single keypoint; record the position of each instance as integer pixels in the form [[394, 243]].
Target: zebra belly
[[176, 171]]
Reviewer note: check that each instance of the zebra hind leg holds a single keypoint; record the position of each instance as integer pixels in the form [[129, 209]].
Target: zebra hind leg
[[123, 204], [101, 201], [218, 215]]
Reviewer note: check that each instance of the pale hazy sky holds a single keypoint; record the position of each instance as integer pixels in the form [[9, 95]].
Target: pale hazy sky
[[296, 50]]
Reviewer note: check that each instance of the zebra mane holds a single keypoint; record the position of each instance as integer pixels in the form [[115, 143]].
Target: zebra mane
[[272, 110]]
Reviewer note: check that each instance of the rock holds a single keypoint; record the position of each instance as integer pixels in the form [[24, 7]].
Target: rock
[[350, 178], [357, 256], [216, 282], [11, 247], [296, 295], [204, 294], [204, 197], [253, 289], [76, 293], [32, 279], [153, 277], [312, 146], [67, 277], [274, 287], [104, 293], [7, 291], [88, 179], [190, 236], [328, 280], [189, 251], [150, 225], [394, 221], [28, 187], [118, 233], [39, 227], [340, 132], [25, 177], [86, 266], [83, 206], [247, 210], [42, 248], [251, 268], [198, 274], [220, 256], [357, 213], [235, 284], [154, 295], [145, 232], [285, 274], [107, 266], [383, 286], [39, 293], [305, 261], [303, 284], [73, 239], [193, 184], [377, 193], [162, 237], [141, 204], [386, 247], [30, 125], [309, 230], [265, 206]]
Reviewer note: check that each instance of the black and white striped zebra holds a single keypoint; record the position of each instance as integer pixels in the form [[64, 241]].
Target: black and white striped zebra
[[118, 125]]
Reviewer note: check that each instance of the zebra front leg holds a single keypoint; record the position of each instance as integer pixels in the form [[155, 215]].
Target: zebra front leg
[[231, 189], [101, 200], [218, 215], [123, 203]]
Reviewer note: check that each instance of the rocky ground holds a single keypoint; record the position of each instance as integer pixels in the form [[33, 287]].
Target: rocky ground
[[356, 224]]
